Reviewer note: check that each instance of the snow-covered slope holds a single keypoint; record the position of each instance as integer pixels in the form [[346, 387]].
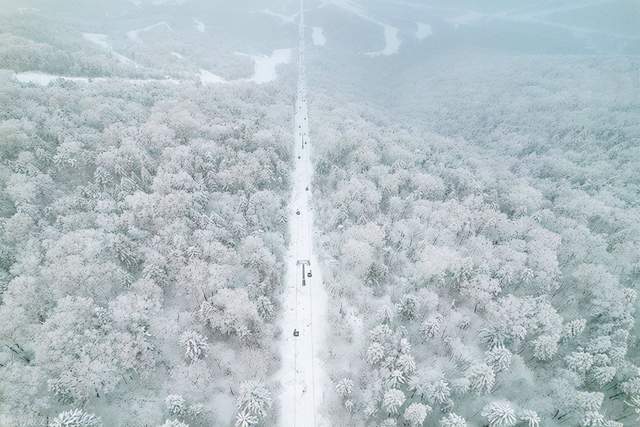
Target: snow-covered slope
[[199, 25], [319, 39], [392, 41], [265, 68], [102, 40], [285, 19], [43, 79], [423, 31], [134, 35], [304, 302]]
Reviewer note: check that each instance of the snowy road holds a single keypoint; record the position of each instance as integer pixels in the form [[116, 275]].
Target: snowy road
[[302, 374]]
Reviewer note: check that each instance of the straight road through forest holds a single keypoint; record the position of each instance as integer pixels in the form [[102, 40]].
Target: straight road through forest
[[302, 374]]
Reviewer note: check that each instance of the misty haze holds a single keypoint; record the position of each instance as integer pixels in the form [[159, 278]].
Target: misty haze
[[318, 213]]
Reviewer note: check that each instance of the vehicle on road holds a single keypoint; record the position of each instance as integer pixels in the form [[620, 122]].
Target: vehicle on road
[[296, 333], [309, 274], [298, 212]]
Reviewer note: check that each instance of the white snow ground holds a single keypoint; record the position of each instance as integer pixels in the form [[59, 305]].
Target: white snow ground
[[392, 39], [200, 26], [467, 18], [392, 42], [99, 39], [134, 35], [423, 31], [102, 40], [208, 78], [318, 36], [285, 19], [43, 79], [265, 71], [265, 68], [304, 302]]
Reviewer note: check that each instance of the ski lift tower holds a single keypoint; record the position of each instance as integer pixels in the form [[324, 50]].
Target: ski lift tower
[[303, 263]]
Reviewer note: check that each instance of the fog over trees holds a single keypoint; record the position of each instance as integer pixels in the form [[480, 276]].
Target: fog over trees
[[474, 190], [481, 278]]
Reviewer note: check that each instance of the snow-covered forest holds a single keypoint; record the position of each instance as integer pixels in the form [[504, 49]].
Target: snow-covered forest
[[488, 276], [136, 228], [319, 213]]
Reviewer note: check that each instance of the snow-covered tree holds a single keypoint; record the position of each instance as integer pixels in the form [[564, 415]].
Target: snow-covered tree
[[500, 414], [453, 420], [431, 326], [174, 423], [603, 374], [231, 312], [393, 400], [195, 346], [499, 358], [375, 353], [439, 392], [382, 332], [348, 405], [586, 401], [344, 387], [634, 403], [266, 309], [396, 378], [416, 413], [481, 289], [76, 418], [573, 328], [406, 363], [545, 347], [408, 307], [176, 405], [529, 418], [594, 419], [389, 422], [481, 378], [245, 419], [579, 362], [254, 398]]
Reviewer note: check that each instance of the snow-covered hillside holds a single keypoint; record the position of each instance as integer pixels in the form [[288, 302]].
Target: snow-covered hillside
[[319, 213]]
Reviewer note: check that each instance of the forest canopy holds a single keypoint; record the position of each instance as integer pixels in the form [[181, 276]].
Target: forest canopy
[[488, 277], [383, 213], [142, 245]]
